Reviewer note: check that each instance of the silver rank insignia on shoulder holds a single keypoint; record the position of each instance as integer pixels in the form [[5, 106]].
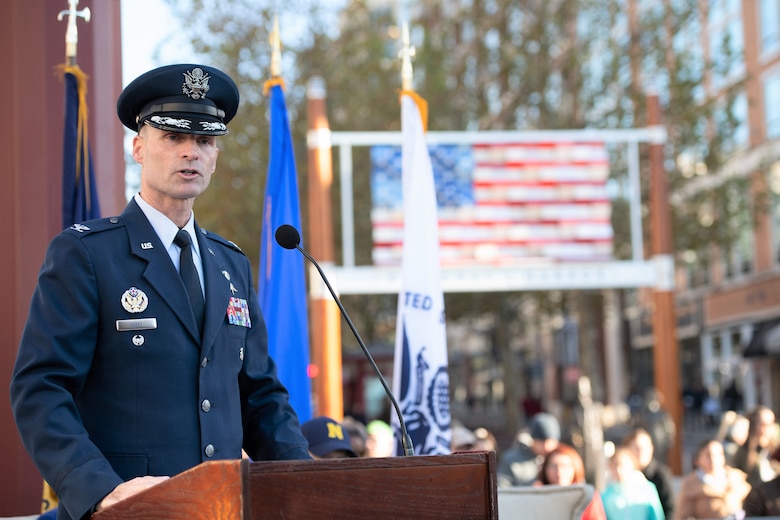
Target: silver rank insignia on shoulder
[[134, 300], [79, 227], [196, 83]]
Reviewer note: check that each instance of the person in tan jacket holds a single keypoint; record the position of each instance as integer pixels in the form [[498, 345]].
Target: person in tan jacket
[[712, 489]]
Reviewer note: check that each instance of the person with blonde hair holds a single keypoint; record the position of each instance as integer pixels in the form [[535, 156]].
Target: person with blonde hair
[[629, 495]]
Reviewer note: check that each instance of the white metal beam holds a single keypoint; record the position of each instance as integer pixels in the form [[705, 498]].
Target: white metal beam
[[601, 275]]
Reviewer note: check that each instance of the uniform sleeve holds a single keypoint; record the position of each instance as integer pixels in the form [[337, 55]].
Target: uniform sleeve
[[271, 427], [53, 361]]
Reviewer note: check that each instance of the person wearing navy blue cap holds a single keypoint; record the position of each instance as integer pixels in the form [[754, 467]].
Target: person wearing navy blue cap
[[328, 439], [145, 351]]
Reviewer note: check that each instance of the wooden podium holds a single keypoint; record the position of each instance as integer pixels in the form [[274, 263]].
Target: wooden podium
[[461, 485]]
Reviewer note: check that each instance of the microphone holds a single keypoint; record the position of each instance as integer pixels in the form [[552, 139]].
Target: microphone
[[289, 238]]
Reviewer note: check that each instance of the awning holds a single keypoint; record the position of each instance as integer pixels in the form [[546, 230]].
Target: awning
[[765, 341]]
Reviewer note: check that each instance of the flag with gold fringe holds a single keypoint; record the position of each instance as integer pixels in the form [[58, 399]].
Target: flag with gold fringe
[[79, 191], [420, 377]]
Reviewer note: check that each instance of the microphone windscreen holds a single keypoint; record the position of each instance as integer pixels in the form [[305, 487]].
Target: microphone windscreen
[[287, 236]]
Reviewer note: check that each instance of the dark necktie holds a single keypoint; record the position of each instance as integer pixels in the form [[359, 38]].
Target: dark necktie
[[189, 276]]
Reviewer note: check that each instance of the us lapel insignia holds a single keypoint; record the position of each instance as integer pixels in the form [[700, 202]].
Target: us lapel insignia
[[134, 300]]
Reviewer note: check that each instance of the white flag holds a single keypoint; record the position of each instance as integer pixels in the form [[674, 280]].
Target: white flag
[[420, 378]]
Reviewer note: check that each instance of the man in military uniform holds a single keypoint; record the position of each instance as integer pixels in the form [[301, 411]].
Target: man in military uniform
[[145, 351]]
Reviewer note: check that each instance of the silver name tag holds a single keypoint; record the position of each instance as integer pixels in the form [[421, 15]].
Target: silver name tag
[[138, 324]]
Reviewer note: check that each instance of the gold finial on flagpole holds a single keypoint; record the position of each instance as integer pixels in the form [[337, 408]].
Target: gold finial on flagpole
[[406, 54], [72, 33], [276, 49]]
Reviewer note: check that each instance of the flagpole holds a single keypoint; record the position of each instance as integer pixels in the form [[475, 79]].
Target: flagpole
[[72, 33], [406, 54], [79, 192], [420, 366]]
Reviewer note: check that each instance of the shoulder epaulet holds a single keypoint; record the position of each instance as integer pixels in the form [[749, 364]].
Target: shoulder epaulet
[[221, 240], [94, 226]]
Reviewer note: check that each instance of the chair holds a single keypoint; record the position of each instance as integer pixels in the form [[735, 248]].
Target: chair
[[553, 502]]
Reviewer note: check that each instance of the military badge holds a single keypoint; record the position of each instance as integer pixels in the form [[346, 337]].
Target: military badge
[[79, 227], [134, 300], [196, 83], [238, 312]]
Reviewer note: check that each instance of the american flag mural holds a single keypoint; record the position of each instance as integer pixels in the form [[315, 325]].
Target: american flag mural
[[501, 203]]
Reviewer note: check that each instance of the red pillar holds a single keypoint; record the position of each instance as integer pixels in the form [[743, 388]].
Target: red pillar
[[325, 327], [666, 352], [31, 96]]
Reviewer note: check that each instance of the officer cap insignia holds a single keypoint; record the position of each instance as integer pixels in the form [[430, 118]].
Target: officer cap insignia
[[187, 98]]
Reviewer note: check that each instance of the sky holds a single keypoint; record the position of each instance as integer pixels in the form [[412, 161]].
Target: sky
[[149, 38]]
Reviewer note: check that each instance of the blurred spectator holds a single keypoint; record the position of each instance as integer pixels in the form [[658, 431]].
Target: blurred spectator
[[486, 441], [519, 465], [657, 472], [693, 400], [563, 466], [531, 405], [357, 434], [763, 499], [327, 439], [629, 495], [463, 439], [733, 433], [380, 441], [658, 423], [732, 397], [712, 489], [711, 409], [754, 456]]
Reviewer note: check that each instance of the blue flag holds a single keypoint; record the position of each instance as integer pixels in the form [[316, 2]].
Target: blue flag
[[281, 279], [79, 191]]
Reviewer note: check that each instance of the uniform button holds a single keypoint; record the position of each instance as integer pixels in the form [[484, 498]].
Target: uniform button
[[209, 450], [205, 405], [113, 220], [204, 362]]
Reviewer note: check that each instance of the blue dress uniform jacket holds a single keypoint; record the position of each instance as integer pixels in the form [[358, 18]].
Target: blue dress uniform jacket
[[96, 406]]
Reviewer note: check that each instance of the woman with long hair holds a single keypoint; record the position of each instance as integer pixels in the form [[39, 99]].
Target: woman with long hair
[[754, 457], [563, 466]]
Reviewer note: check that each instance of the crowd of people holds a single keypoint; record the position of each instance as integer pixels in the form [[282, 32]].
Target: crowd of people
[[735, 473]]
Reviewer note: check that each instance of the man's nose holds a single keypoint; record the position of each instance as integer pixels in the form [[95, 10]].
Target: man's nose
[[190, 148]]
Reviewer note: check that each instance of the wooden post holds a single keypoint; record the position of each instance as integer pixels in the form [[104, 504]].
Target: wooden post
[[325, 323], [666, 353]]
